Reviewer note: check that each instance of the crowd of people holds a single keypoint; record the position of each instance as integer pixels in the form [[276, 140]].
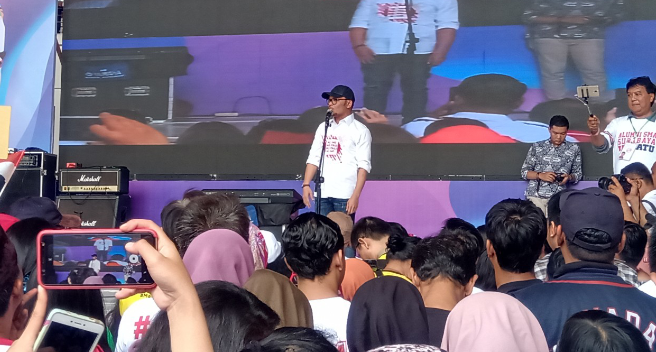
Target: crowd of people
[[573, 279]]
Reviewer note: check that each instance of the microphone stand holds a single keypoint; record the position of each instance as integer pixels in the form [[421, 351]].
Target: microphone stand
[[412, 39], [318, 177]]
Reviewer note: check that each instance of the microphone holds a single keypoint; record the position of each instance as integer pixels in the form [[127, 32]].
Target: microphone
[[329, 114]]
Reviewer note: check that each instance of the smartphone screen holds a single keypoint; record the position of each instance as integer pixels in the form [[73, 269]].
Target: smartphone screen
[[93, 259], [67, 338]]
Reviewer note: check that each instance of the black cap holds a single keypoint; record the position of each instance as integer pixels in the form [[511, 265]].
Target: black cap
[[340, 92], [36, 207], [592, 208]]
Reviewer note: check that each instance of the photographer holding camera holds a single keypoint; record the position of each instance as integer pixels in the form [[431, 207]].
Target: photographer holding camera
[[551, 164], [635, 189]]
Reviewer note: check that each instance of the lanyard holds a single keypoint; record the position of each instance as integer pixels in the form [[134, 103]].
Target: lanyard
[[651, 118]]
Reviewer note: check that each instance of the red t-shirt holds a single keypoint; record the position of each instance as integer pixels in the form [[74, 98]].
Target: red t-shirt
[[466, 134]]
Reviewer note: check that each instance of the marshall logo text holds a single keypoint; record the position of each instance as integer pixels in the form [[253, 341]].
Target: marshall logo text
[[85, 178]]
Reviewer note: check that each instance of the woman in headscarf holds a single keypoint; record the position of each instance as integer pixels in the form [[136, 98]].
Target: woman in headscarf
[[386, 311], [357, 273], [219, 255], [283, 297], [492, 322]]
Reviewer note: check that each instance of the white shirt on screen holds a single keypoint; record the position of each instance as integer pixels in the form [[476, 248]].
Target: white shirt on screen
[[638, 135], [95, 265], [386, 22], [103, 244], [348, 148]]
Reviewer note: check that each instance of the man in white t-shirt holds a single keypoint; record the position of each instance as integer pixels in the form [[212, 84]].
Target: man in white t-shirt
[[347, 159], [94, 263], [103, 245], [314, 251], [382, 32], [632, 138]]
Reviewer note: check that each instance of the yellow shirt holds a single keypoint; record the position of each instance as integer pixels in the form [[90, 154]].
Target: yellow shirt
[[127, 302]]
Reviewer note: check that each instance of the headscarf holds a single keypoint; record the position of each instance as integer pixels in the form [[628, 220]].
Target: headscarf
[[357, 273], [492, 322], [219, 255], [407, 348], [93, 280], [386, 311], [282, 296]]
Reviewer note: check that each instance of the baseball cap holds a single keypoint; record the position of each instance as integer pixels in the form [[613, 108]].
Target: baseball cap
[[591, 208], [36, 207], [339, 91]]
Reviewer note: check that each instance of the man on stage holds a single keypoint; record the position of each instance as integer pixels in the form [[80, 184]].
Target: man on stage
[[347, 158], [551, 164]]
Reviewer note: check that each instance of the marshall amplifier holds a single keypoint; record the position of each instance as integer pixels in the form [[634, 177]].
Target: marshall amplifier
[[96, 211], [34, 176], [95, 180]]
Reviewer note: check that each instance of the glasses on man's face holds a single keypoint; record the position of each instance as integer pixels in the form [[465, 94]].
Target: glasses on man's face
[[331, 101]]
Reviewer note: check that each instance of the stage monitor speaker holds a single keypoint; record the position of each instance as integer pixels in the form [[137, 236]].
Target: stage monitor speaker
[[96, 211], [34, 176]]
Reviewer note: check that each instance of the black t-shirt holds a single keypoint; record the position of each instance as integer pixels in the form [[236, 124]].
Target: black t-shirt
[[436, 323], [512, 287]]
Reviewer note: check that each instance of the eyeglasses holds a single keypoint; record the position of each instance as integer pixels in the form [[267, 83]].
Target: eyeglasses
[[330, 101]]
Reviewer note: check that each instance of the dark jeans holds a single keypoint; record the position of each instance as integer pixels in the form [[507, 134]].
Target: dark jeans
[[102, 255], [330, 204], [414, 71]]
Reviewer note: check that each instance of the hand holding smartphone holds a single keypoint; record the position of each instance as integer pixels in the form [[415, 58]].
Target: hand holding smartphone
[[66, 331], [92, 259]]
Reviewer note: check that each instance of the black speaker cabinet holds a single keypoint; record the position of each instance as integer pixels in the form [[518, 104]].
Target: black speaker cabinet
[[34, 176], [96, 211]]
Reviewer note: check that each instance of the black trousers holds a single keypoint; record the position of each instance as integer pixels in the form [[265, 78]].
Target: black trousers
[[413, 70]]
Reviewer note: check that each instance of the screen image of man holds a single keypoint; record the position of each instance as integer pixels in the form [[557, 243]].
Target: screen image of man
[[384, 37], [632, 138], [551, 164], [103, 245], [347, 158], [562, 29], [94, 263]]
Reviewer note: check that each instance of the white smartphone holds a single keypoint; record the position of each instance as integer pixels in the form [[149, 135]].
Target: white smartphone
[[585, 92], [64, 331]]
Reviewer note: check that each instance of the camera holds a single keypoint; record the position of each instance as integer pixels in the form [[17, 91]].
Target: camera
[[605, 182], [560, 177]]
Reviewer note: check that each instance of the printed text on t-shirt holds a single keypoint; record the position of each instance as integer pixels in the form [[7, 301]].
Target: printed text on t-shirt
[[333, 149], [395, 12]]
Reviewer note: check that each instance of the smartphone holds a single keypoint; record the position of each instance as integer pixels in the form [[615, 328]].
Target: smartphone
[[65, 331], [92, 259], [585, 91]]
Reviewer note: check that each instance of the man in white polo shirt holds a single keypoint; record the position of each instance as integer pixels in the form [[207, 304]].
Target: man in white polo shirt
[[347, 159], [381, 33]]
